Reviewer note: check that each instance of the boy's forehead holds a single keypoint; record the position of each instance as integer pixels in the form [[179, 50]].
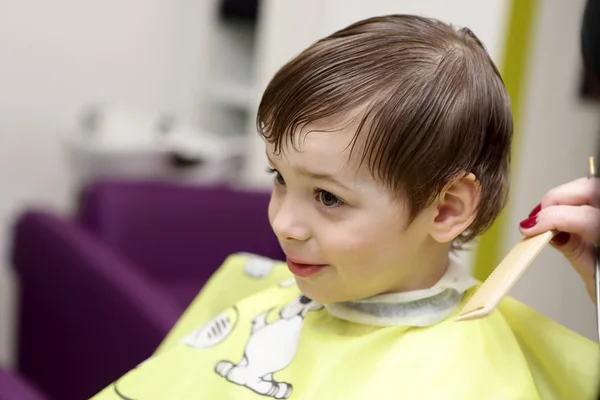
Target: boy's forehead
[[316, 144], [334, 150]]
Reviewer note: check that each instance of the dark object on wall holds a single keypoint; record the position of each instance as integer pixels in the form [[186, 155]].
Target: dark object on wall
[[246, 10], [590, 49], [589, 87], [590, 38]]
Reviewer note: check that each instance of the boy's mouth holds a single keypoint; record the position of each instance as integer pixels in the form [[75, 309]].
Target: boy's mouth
[[304, 269]]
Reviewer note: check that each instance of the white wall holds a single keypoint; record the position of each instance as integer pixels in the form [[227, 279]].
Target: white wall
[[58, 56], [557, 135]]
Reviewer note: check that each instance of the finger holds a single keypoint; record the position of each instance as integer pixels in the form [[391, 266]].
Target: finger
[[579, 192], [581, 255], [581, 220]]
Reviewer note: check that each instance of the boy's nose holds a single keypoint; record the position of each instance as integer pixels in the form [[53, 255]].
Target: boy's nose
[[288, 221]]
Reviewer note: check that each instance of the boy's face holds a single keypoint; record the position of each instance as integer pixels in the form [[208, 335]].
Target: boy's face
[[328, 212]]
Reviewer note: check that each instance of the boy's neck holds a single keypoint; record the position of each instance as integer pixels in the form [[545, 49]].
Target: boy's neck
[[428, 267]]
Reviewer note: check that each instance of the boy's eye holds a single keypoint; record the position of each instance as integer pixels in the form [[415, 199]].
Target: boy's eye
[[278, 177], [328, 199]]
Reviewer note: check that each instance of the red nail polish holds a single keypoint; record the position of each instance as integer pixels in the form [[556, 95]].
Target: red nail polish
[[529, 222], [536, 210], [561, 238]]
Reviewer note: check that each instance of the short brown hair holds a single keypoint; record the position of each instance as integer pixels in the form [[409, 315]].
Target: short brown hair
[[432, 101]]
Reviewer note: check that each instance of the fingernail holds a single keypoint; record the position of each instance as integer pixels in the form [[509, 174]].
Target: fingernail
[[529, 222], [561, 238], [536, 210]]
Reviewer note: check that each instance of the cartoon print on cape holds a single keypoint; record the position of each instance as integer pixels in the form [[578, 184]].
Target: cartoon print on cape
[[288, 283], [208, 335], [258, 267], [270, 348]]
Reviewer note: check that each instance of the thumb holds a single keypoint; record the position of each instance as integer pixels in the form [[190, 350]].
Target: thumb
[[580, 253]]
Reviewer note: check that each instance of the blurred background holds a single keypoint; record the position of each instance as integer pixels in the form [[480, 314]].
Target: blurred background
[[130, 167]]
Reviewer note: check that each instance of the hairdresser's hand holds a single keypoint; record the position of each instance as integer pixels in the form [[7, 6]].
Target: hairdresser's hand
[[573, 210]]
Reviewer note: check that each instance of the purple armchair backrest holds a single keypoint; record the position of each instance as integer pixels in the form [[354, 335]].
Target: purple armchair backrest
[[178, 232]]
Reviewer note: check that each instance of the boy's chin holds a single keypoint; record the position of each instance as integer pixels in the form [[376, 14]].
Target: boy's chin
[[323, 294]]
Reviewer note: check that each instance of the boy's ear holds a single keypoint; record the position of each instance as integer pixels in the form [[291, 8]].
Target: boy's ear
[[456, 208]]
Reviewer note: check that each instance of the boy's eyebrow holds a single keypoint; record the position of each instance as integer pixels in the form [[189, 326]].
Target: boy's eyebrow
[[316, 175]]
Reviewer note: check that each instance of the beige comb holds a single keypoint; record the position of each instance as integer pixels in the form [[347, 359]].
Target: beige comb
[[506, 274]]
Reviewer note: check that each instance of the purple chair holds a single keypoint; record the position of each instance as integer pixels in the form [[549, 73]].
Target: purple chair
[[101, 290], [13, 387]]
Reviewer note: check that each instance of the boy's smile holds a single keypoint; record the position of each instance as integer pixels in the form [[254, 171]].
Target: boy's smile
[[304, 269]]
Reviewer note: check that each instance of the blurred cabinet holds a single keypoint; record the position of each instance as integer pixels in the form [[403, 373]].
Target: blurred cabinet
[[231, 67], [249, 42]]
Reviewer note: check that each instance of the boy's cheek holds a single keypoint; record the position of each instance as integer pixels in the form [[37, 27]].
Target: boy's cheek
[[357, 238], [349, 249]]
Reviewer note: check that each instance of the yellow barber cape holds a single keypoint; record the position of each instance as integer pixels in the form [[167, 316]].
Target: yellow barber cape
[[251, 335]]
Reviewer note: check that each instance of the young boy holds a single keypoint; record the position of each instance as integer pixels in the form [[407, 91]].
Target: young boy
[[389, 145]]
